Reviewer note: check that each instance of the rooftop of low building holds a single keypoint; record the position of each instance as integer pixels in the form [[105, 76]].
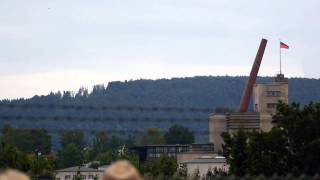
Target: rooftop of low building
[[206, 160], [78, 168]]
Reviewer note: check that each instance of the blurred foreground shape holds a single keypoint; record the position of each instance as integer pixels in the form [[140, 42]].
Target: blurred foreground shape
[[13, 175], [121, 170]]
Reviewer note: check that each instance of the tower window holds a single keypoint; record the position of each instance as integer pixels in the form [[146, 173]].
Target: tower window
[[272, 105], [273, 93]]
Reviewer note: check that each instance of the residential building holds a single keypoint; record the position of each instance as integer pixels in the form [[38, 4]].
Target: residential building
[[104, 167], [84, 172]]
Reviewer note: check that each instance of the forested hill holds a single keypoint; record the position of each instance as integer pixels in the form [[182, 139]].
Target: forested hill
[[202, 91], [197, 92]]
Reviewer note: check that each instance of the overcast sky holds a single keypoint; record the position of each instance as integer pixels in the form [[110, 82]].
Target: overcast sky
[[50, 45]]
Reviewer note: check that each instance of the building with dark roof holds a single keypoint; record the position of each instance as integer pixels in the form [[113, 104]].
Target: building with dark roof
[[151, 152]]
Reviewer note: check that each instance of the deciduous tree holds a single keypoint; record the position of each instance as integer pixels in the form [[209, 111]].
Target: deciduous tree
[[179, 135]]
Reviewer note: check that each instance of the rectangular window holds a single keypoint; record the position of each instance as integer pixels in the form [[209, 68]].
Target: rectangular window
[[273, 93], [151, 155], [67, 177], [172, 149], [158, 149], [83, 176], [272, 105]]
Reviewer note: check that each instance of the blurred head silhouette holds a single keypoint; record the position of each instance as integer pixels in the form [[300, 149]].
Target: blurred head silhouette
[[13, 175], [121, 170]]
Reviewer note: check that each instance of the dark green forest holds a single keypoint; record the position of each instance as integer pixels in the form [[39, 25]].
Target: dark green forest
[[195, 92], [201, 91]]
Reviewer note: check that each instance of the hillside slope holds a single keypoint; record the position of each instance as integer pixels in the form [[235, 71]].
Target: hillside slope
[[198, 92]]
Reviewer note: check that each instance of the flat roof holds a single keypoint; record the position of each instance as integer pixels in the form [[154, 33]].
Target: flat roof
[[206, 160], [198, 152], [77, 168], [172, 145]]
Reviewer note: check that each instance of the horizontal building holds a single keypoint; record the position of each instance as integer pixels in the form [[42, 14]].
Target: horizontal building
[[152, 152], [84, 173], [205, 164]]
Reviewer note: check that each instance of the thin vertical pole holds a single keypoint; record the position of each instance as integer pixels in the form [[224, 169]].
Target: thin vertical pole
[[280, 57]]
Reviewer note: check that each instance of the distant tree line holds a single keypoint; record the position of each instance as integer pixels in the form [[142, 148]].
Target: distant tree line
[[221, 92], [29, 149], [199, 91]]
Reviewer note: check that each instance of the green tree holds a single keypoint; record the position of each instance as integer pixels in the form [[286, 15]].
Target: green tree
[[130, 141], [166, 166], [301, 128], [10, 157], [268, 153], [235, 149], [311, 162], [152, 136], [179, 135], [99, 144], [28, 140], [73, 137], [177, 176], [114, 143], [69, 155], [292, 146], [257, 153], [40, 166], [106, 157], [183, 171]]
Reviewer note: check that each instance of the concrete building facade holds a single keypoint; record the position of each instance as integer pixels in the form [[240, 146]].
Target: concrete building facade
[[266, 98], [190, 155], [205, 164], [152, 152]]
